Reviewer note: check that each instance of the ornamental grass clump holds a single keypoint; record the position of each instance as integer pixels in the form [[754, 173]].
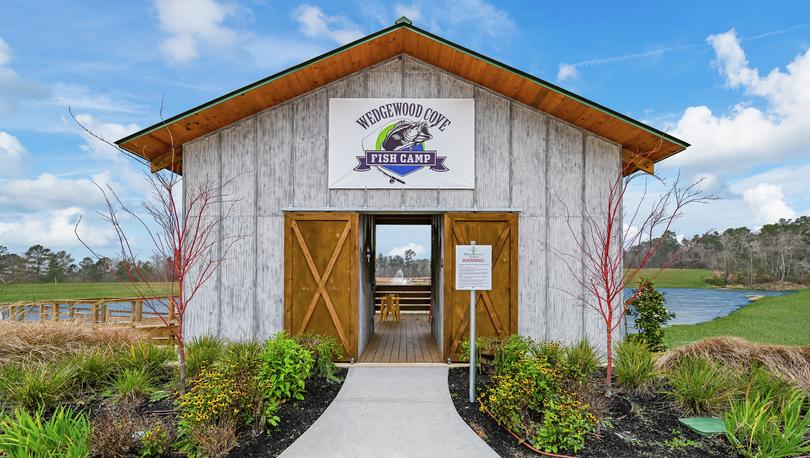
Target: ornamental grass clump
[[201, 353], [700, 386], [582, 361], [25, 341], [789, 363], [132, 385], [635, 366], [33, 386]]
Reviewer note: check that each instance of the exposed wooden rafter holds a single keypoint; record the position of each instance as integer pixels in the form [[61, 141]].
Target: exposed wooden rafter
[[632, 162]]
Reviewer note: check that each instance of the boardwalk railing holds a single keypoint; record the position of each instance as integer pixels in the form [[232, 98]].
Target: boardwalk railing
[[412, 298], [138, 312]]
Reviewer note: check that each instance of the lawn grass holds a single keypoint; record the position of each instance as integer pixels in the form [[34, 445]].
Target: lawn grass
[[779, 320], [15, 292], [675, 278]]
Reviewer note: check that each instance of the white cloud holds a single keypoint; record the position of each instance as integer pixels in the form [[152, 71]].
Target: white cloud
[[49, 192], [190, 23], [77, 96], [272, 52], [400, 250], [567, 71], [314, 23], [767, 202], [5, 52], [748, 135], [12, 155], [409, 11], [478, 17], [54, 229], [13, 88]]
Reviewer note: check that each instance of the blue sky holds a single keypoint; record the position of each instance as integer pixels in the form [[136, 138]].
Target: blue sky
[[732, 78]]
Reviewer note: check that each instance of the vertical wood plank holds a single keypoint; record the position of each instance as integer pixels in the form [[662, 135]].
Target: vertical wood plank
[[564, 188], [270, 276], [202, 164], [602, 167], [528, 161], [309, 148], [275, 160], [492, 132]]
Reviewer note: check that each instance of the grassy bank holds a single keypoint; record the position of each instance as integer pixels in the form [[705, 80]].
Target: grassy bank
[[776, 320], [63, 291], [675, 278]]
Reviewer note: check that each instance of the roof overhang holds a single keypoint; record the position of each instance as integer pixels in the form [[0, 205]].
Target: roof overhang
[[642, 145]]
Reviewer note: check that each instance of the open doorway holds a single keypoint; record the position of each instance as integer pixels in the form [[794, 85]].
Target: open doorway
[[403, 258]]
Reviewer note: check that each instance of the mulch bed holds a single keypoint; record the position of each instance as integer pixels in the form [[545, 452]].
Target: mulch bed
[[296, 417], [642, 426]]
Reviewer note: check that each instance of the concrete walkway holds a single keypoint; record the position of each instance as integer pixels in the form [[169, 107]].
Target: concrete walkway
[[391, 412]]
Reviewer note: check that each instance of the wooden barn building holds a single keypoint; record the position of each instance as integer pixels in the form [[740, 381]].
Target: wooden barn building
[[399, 127]]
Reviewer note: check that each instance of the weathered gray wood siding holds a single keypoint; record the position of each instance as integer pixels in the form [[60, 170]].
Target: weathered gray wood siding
[[551, 172]]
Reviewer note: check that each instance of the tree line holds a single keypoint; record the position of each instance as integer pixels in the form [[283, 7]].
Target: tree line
[[41, 264], [778, 252], [388, 266]]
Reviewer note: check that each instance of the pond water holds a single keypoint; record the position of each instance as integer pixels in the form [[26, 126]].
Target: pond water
[[697, 305]]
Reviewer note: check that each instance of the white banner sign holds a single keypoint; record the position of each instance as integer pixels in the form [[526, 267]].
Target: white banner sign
[[402, 143], [474, 267]]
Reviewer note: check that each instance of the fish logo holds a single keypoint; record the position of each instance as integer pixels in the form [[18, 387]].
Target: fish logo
[[398, 149]]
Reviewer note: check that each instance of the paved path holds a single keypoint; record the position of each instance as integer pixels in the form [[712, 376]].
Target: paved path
[[391, 412]]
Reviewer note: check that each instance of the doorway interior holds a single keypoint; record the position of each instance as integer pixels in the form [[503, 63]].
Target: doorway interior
[[408, 274]]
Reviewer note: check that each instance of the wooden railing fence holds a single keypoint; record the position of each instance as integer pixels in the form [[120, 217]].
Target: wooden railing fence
[[131, 311]]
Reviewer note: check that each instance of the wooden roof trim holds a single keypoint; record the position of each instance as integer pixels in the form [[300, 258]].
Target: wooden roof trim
[[401, 38], [245, 89]]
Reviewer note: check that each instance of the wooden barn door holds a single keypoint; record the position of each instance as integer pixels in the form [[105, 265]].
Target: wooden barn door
[[320, 284], [496, 310]]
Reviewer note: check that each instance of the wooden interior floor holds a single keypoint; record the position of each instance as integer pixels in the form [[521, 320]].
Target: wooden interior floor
[[408, 341]]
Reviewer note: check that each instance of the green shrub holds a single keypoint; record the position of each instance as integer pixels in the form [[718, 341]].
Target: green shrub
[[513, 349], [155, 441], [715, 281], [651, 314], [566, 423], [225, 396], [699, 385], [132, 385], [325, 350], [148, 357], [634, 368], [35, 386], [486, 345], [202, 353], [581, 361], [284, 368], [552, 352], [64, 434], [530, 390], [761, 427]]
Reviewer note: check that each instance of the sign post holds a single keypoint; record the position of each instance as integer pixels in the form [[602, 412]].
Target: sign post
[[473, 273]]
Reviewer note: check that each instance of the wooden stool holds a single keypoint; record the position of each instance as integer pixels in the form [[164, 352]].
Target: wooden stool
[[389, 305]]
